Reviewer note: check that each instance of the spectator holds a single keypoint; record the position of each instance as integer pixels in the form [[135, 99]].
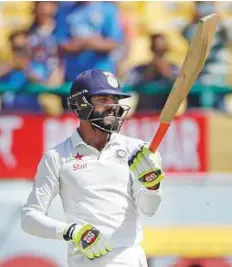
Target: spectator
[[64, 9], [43, 45], [216, 68], [120, 55], [158, 70], [35, 53], [90, 33], [13, 76], [16, 75]]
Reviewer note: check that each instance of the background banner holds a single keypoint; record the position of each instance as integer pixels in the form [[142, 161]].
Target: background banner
[[24, 138]]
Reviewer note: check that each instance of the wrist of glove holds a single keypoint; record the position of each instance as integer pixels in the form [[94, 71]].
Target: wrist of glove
[[145, 166], [88, 240]]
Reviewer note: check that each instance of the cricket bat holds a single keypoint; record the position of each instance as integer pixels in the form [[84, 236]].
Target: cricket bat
[[196, 56]]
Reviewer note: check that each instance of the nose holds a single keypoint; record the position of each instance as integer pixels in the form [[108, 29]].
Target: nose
[[110, 101], [110, 108]]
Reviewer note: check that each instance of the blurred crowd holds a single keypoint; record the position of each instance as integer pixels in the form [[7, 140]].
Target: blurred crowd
[[49, 43]]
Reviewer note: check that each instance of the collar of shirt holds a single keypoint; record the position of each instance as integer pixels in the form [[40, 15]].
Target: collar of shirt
[[77, 140]]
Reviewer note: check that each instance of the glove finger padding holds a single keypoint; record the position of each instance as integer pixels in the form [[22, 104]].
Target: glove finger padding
[[104, 247], [88, 253], [137, 163], [90, 242], [145, 166], [96, 251], [106, 244]]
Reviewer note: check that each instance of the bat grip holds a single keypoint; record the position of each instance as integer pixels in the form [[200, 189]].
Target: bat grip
[[159, 135]]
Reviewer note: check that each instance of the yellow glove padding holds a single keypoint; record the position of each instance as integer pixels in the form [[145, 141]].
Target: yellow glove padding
[[90, 241], [146, 167]]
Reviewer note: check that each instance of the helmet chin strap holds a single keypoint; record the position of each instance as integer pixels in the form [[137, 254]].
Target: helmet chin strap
[[98, 123], [100, 128]]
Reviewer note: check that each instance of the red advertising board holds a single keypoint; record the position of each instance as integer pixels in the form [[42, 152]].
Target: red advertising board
[[184, 148], [24, 138]]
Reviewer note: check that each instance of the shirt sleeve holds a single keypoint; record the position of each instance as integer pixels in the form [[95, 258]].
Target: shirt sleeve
[[63, 32], [147, 201], [34, 217]]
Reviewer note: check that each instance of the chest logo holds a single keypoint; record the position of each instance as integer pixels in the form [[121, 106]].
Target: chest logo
[[78, 156], [78, 166], [121, 154]]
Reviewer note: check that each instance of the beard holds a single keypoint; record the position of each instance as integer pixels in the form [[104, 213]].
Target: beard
[[106, 120]]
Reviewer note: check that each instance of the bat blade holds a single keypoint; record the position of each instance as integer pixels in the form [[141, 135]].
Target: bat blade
[[194, 61]]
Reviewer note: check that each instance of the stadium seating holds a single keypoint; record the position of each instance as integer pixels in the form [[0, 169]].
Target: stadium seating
[[146, 18]]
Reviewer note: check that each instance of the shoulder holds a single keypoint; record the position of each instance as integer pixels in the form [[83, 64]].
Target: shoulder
[[130, 143], [58, 153]]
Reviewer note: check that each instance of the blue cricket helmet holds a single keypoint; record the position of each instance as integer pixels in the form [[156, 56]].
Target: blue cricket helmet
[[97, 82]]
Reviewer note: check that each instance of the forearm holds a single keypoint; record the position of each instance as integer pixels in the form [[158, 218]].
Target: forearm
[[100, 44], [148, 201], [72, 46], [56, 77], [38, 224], [34, 78]]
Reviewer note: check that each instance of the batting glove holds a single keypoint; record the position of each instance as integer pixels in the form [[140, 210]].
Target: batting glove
[[88, 240], [146, 167]]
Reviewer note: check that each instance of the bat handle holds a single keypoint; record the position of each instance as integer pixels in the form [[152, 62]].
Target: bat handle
[[159, 135]]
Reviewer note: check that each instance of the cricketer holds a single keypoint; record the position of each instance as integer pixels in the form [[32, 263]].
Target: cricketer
[[105, 180]]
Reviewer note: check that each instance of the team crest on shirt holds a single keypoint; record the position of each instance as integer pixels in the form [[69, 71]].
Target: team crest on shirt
[[121, 155]]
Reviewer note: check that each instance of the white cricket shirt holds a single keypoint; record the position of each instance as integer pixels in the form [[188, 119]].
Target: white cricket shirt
[[95, 187]]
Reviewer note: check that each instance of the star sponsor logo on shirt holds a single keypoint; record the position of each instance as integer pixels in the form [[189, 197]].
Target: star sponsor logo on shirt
[[78, 156], [79, 166]]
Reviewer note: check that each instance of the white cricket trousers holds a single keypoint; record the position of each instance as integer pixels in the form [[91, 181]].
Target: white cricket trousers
[[118, 257]]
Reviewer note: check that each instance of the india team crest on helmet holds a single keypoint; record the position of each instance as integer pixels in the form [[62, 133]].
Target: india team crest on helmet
[[112, 81]]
